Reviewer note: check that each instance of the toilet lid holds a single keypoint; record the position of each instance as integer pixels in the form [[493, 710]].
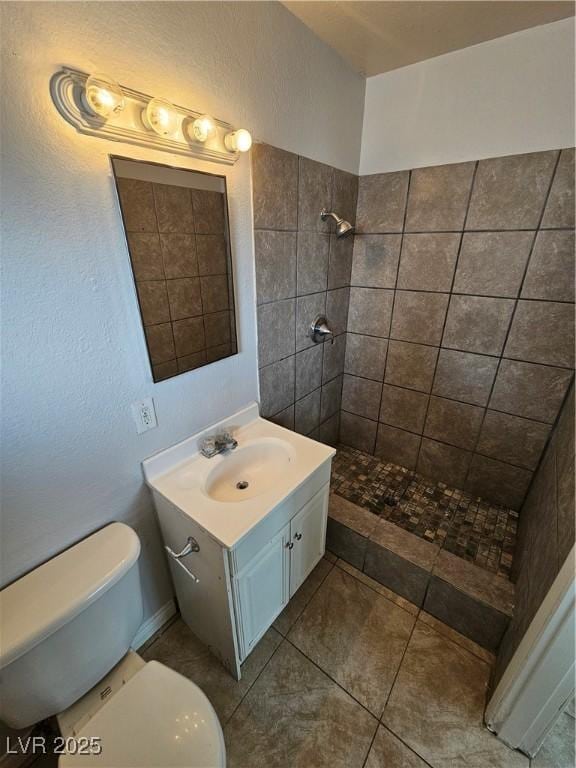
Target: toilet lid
[[159, 718]]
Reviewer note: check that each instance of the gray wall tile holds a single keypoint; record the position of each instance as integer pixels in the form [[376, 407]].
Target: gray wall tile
[[428, 261], [438, 197], [465, 376], [361, 396], [513, 439], [381, 202], [274, 187], [560, 206], [285, 418], [337, 302], [146, 256], [308, 370], [443, 462], [396, 573], [330, 430], [276, 331], [277, 386], [307, 413], [551, 270], [492, 263], [346, 543], [275, 254], [410, 365], [312, 262], [340, 266], [331, 398], [473, 619], [334, 355], [497, 481], [565, 462], [419, 316], [375, 260], [365, 356], [454, 423], [358, 432], [546, 530], [307, 310], [403, 408], [542, 332], [509, 192], [314, 193], [477, 324], [529, 390], [345, 194], [370, 311], [397, 446]]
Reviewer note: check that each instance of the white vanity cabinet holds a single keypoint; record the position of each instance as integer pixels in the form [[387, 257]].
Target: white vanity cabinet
[[263, 587], [242, 530]]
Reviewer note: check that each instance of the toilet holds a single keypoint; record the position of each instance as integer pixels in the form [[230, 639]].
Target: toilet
[[65, 635]]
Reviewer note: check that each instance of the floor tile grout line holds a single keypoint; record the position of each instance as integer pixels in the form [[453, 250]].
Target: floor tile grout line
[[368, 586], [293, 624], [371, 745], [329, 676], [400, 664], [284, 638], [414, 752], [274, 652]]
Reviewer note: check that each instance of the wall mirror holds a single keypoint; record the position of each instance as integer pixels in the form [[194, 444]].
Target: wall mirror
[[176, 225]]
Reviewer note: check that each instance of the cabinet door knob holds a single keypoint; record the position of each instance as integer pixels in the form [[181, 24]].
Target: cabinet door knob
[[290, 545], [297, 536]]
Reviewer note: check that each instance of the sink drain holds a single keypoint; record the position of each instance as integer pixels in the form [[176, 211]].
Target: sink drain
[[242, 485]]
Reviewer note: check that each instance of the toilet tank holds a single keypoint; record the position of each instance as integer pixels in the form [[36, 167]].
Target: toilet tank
[[65, 624]]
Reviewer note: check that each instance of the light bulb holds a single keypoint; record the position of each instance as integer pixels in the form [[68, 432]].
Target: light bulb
[[203, 127], [238, 141], [103, 96], [160, 117]]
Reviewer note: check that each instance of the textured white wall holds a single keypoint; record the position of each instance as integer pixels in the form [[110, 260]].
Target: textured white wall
[[73, 348], [507, 96]]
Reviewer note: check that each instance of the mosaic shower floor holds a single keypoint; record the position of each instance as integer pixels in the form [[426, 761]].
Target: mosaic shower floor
[[466, 526]]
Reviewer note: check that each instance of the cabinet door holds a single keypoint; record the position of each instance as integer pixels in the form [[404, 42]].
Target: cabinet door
[[308, 535], [261, 590]]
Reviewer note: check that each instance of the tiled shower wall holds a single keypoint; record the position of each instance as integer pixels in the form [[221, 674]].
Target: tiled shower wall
[[301, 271], [546, 530], [460, 344]]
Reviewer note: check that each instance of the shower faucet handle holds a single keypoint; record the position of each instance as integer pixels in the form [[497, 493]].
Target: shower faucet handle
[[320, 330]]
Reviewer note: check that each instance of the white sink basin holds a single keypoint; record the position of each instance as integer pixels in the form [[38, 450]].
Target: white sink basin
[[274, 462], [250, 470]]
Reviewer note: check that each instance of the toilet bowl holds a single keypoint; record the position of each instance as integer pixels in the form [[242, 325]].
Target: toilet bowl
[[158, 718], [63, 627]]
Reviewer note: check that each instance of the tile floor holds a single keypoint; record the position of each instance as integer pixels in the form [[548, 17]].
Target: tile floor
[[466, 526], [349, 675]]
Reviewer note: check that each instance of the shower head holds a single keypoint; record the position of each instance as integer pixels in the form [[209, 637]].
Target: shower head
[[343, 227]]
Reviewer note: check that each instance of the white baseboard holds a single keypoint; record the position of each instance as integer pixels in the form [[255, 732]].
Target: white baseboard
[[154, 623]]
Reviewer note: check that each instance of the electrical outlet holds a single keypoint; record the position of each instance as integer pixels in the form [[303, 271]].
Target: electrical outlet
[[144, 415]]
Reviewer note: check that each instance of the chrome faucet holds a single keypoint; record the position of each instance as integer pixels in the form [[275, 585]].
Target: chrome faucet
[[221, 443]]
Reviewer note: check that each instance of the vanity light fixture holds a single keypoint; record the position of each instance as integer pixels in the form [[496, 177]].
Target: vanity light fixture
[[103, 96], [96, 105], [238, 141], [202, 128], [160, 116]]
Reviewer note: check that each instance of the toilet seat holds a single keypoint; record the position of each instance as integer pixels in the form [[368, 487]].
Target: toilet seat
[[157, 719]]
